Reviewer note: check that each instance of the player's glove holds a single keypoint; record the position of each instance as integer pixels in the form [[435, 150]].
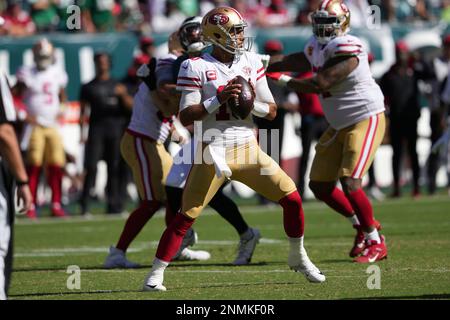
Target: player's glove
[[147, 73], [280, 78]]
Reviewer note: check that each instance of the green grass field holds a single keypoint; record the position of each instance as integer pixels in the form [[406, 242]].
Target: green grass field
[[417, 233]]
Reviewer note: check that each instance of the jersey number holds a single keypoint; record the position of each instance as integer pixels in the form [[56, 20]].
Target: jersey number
[[46, 88]]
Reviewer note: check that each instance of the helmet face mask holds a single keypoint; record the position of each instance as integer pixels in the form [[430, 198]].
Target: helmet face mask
[[190, 34], [224, 27], [324, 28], [331, 20]]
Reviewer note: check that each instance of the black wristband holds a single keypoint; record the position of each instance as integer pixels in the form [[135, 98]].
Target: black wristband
[[21, 183]]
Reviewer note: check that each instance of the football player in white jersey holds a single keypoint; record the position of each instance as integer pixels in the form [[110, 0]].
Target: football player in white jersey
[[142, 147], [354, 107], [191, 39], [230, 148], [42, 89]]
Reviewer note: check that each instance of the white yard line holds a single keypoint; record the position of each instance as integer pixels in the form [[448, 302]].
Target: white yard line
[[142, 246], [233, 270], [317, 207]]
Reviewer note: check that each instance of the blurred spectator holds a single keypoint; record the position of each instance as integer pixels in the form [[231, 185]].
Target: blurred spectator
[[44, 15], [130, 18], [445, 11], [276, 15], [109, 104], [169, 21], [147, 47], [421, 10], [207, 5], [388, 10], [441, 67], [404, 112], [189, 7], [97, 15], [303, 15], [17, 22], [253, 13]]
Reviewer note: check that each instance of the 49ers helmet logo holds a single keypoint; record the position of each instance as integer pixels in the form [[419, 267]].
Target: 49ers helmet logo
[[219, 18]]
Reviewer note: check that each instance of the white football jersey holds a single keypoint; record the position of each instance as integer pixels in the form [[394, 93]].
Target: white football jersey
[[209, 76], [358, 96], [146, 119], [41, 96]]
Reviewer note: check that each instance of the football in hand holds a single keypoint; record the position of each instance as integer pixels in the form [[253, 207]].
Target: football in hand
[[242, 105]]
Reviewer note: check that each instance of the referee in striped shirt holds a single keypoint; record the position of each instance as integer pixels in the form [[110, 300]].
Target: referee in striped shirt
[[12, 174]]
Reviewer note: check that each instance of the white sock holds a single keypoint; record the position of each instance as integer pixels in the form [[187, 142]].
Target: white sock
[[159, 265], [247, 235], [156, 275], [374, 235], [353, 220], [296, 244]]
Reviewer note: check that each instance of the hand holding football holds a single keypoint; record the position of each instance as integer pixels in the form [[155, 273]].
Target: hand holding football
[[243, 105]]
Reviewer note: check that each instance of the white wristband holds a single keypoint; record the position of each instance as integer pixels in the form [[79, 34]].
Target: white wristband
[[284, 79], [261, 109], [211, 104]]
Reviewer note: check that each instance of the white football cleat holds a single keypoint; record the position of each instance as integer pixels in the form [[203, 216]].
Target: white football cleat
[[189, 255], [190, 238], [117, 259], [154, 281], [301, 263], [246, 248], [156, 287]]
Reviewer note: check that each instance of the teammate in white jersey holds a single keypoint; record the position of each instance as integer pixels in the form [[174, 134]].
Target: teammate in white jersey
[[354, 107], [142, 147], [42, 89], [232, 146]]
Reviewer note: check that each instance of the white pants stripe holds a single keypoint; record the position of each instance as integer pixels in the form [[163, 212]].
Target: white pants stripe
[[367, 146], [145, 169]]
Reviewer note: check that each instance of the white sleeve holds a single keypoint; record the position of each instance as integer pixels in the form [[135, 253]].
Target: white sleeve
[[189, 98], [263, 93], [263, 98], [346, 46], [189, 78]]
